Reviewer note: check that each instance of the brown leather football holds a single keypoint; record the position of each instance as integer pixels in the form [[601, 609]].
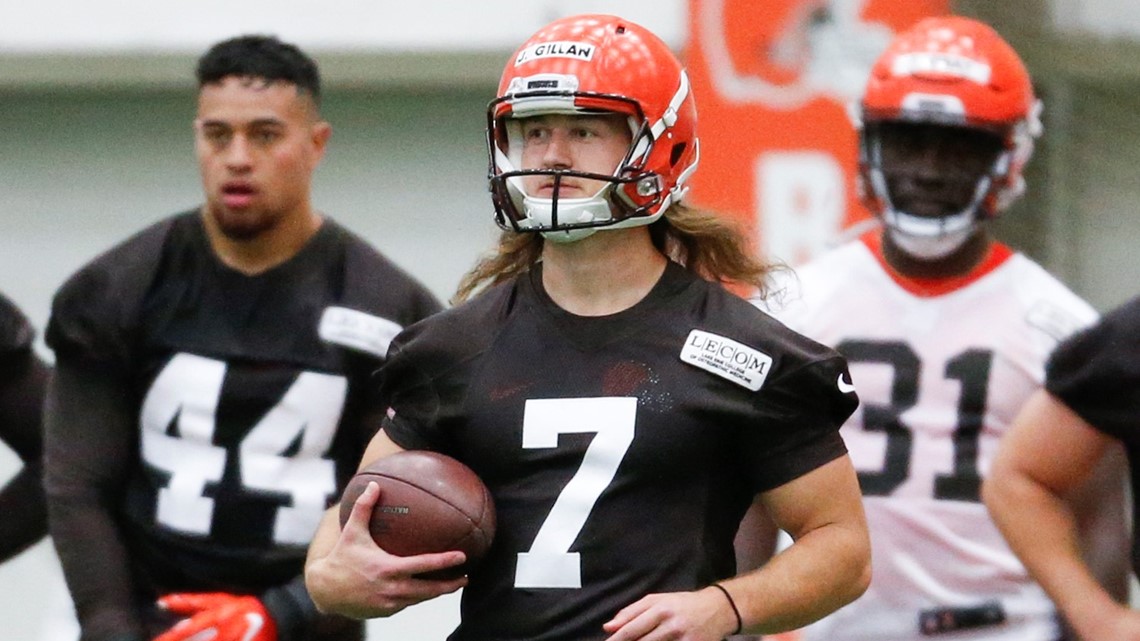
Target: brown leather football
[[428, 502]]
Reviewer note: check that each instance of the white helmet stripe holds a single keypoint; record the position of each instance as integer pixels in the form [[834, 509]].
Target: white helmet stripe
[[670, 116]]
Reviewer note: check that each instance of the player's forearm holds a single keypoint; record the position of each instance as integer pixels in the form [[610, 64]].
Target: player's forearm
[[87, 434], [96, 568], [1100, 507], [1040, 528], [25, 512], [320, 588], [824, 570]]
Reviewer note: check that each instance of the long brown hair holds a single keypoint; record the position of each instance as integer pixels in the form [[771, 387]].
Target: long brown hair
[[711, 246]]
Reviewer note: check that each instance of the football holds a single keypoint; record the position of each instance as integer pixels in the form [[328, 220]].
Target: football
[[428, 502]]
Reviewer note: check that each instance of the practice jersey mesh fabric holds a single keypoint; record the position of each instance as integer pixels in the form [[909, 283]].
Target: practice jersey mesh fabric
[[618, 467], [941, 372]]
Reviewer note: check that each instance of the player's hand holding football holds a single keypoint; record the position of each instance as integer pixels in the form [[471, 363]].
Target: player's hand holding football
[[217, 616], [701, 615], [359, 579]]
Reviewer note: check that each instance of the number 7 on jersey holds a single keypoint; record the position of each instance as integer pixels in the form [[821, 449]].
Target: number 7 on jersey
[[549, 562]]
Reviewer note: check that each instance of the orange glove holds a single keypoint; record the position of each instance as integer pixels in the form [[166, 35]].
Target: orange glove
[[217, 616]]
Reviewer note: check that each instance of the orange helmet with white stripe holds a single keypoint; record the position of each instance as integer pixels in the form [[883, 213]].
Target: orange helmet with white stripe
[[957, 72], [592, 64]]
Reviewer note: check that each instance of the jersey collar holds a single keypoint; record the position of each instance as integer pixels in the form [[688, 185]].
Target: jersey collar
[[931, 287]]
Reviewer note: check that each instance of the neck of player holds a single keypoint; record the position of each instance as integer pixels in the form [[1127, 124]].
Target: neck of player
[[268, 247], [605, 273], [959, 262]]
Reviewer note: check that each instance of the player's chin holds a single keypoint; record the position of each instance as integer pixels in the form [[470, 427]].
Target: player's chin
[[242, 224]]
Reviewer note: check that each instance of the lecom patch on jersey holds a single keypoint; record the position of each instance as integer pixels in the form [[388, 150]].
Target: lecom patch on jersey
[[726, 358], [357, 330]]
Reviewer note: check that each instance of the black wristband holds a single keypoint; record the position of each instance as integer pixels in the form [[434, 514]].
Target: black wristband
[[732, 604]]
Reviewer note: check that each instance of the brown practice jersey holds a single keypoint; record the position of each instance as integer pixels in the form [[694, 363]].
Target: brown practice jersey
[[621, 451], [22, 379], [235, 414], [1096, 372]]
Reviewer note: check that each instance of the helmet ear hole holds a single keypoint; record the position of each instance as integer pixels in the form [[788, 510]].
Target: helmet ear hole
[[676, 153]]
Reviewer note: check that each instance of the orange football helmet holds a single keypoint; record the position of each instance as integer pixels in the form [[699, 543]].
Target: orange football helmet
[[590, 64], [957, 72]]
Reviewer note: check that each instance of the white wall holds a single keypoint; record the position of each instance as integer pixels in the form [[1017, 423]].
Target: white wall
[[80, 171], [428, 43], [424, 25], [1102, 17]]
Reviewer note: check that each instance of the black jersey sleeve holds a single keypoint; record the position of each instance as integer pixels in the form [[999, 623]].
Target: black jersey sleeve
[[801, 410], [89, 444], [1096, 373], [23, 377], [426, 369], [94, 313], [388, 289], [90, 438], [409, 396]]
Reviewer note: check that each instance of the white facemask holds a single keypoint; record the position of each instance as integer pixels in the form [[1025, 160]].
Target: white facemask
[[929, 238], [540, 213], [922, 248]]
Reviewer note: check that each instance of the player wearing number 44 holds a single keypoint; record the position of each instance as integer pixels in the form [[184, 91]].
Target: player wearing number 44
[[207, 405], [622, 406], [947, 332]]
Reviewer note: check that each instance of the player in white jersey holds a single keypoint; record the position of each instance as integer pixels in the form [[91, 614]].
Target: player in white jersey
[[946, 331]]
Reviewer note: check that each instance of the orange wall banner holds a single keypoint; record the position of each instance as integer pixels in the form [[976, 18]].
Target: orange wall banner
[[773, 81]]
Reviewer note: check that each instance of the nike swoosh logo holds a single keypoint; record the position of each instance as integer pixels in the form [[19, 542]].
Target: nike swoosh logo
[[203, 635], [844, 386], [254, 623]]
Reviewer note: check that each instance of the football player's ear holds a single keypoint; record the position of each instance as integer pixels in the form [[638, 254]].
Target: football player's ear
[[319, 134]]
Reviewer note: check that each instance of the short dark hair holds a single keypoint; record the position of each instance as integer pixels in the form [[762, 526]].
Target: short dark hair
[[263, 57]]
